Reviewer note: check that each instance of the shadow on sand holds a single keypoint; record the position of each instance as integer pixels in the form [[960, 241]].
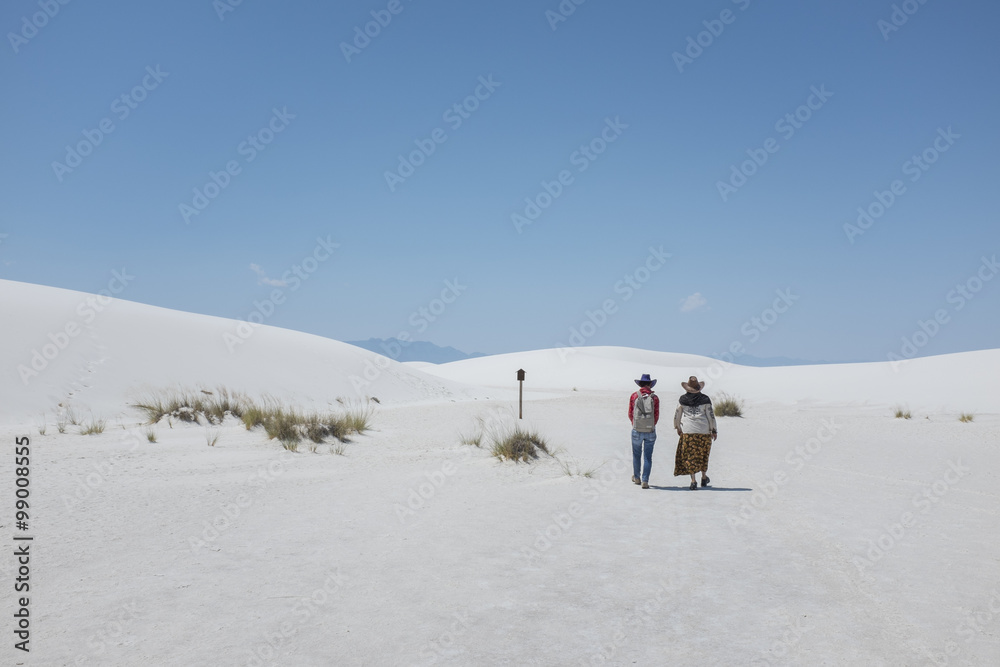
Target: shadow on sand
[[686, 487]]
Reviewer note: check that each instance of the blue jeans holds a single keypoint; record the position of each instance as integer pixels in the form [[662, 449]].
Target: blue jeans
[[642, 448]]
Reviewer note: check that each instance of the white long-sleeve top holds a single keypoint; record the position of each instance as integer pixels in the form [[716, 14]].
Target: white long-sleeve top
[[695, 419]]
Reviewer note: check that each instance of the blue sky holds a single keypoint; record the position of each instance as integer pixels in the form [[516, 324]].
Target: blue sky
[[204, 85]]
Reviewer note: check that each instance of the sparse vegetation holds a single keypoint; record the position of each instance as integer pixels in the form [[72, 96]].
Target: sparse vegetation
[[210, 406], [61, 426], [473, 439], [211, 436], [94, 427], [506, 438], [966, 417], [338, 448], [253, 416], [151, 435], [517, 444], [287, 425], [41, 425], [358, 418], [728, 406], [902, 413], [573, 469]]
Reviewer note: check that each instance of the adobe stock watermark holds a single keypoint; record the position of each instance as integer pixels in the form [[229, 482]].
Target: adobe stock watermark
[[420, 494], [114, 631], [915, 167], [974, 623], [959, 296], [796, 459], [59, 340], [713, 30], [89, 482], [291, 280], [265, 652], [122, 107], [563, 521], [899, 17], [787, 126], [923, 501], [454, 116], [229, 512], [562, 12], [363, 35], [445, 642], [420, 320], [582, 158], [595, 320], [780, 648], [30, 25], [249, 149], [753, 329], [644, 615], [223, 7]]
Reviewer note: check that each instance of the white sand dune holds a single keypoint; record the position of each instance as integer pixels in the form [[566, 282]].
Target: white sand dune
[[832, 534], [947, 382], [122, 350]]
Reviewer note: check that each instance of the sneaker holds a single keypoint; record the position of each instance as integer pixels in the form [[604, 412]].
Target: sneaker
[[635, 480], [694, 485], [705, 481], [645, 485]]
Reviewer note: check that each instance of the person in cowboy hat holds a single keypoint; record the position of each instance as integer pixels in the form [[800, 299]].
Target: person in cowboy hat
[[643, 412], [694, 420]]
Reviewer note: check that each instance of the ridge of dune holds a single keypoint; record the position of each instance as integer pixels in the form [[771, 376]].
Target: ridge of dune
[[62, 347], [926, 382], [97, 353]]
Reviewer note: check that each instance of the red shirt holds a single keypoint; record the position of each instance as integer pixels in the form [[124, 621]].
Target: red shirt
[[656, 404]]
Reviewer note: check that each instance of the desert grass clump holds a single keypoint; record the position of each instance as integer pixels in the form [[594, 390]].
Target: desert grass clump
[[287, 425], [357, 419], [150, 435], [966, 417], [193, 407], [572, 469], [94, 427], [253, 416], [517, 444], [471, 439], [283, 424], [902, 413], [211, 436], [728, 406]]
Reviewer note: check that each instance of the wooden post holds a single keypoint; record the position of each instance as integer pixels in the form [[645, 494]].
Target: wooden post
[[520, 394]]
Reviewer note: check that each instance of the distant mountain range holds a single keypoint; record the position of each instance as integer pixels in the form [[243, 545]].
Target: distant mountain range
[[417, 350]]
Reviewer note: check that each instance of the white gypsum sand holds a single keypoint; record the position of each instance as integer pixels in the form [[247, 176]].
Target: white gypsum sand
[[833, 534]]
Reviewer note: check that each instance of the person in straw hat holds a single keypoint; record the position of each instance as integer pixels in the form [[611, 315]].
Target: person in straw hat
[[694, 420], [643, 412]]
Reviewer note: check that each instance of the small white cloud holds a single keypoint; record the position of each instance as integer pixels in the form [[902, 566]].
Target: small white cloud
[[694, 302], [262, 278]]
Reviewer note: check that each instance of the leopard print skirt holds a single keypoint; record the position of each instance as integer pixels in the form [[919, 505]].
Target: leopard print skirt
[[692, 453]]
